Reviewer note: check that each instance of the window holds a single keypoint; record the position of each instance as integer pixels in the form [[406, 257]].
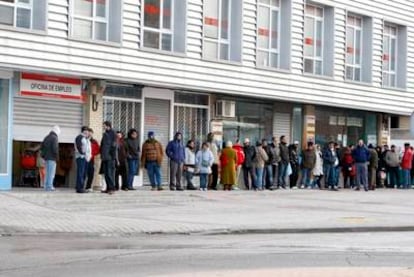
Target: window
[[389, 56], [163, 27], [96, 20], [222, 30], [23, 14], [268, 22], [313, 44], [353, 48]]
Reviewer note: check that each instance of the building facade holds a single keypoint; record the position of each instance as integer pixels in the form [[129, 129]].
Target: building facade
[[311, 70]]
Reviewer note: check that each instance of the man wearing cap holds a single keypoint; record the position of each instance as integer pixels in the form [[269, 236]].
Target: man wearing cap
[[50, 153], [176, 153], [151, 159], [249, 169], [83, 156]]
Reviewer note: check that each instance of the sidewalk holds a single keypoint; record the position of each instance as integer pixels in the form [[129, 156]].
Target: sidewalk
[[32, 211]]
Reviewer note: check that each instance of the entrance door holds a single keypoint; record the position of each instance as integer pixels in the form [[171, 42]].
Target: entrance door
[[5, 164], [158, 118]]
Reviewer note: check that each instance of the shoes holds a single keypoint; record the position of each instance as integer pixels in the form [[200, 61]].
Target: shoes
[[104, 191], [82, 191], [172, 188], [191, 187], [153, 188], [124, 189], [110, 192], [180, 189], [160, 188], [302, 186], [132, 189]]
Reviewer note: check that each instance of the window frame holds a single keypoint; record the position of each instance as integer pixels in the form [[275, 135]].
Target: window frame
[[15, 6], [161, 30], [269, 50], [94, 19], [354, 65], [389, 71], [315, 58], [219, 41]]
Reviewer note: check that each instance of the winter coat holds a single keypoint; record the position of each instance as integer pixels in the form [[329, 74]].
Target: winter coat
[[330, 157], [189, 161], [204, 161], [269, 152], [121, 151], [214, 150], [249, 156], [293, 155], [373, 160], [228, 162], [309, 159], [261, 157], [318, 169], [108, 145], [50, 147], [275, 149], [175, 150], [132, 148], [151, 152], [361, 154], [284, 153], [240, 153], [407, 159], [391, 158]]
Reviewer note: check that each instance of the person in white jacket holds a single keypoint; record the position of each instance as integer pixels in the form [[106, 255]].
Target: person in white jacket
[[204, 161], [189, 164]]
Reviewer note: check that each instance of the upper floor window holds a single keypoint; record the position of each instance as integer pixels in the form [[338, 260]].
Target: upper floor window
[[23, 14], [268, 22], [353, 48], [222, 30], [96, 20], [318, 40], [164, 25], [394, 56]]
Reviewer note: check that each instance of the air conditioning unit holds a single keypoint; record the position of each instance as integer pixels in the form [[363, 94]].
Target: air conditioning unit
[[225, 108]]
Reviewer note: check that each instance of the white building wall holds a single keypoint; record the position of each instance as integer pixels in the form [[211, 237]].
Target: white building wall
[[54, 52]]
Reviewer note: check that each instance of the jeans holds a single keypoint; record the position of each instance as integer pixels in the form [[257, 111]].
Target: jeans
[[50, 166], [407, 178], [259, 176], [282, 174], [393, 175], [109, 173], [90, 172], [362, 175], [176, 170], [154, 173], [132, 171], [80, 173], [203, 180], [189, 178], [330, 175], [268, 176], [306, 177]]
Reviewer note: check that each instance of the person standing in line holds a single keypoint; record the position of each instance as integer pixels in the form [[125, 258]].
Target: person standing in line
[[151, 158], [275, 163], [261, 159], [240, 160], [348, 168], [318, 168], [176, 153], [393, 162], [108, 156], [284, 162], [132, 152], [249, 170], [294, 163], [90, 168], [268, 166], [361, 156], [372, 167], [330, 161], [406, 163], [50, 153], [228, 164], [213, 177], [189, 164], [204, 162], [121, 162], [309, 160], [83, 154]]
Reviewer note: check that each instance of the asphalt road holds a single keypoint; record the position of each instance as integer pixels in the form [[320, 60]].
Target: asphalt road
[[388, 254]]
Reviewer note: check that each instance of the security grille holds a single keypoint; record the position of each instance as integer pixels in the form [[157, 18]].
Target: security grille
[[124, 114], [192, 122]]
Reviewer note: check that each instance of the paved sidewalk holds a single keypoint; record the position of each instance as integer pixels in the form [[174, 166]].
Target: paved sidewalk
[[32, 211]]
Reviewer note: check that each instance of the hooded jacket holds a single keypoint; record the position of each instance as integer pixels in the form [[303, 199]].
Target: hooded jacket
[[175, 149], [50, 146]]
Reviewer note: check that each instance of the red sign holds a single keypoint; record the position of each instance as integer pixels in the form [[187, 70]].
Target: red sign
[[309, 41], [263, 32], [211, 21]]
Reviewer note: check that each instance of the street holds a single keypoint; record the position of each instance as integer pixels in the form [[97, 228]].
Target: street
[[359, 254]]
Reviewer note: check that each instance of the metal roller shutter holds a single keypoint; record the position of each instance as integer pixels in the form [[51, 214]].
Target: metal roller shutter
[[34, 118], [281, 125]]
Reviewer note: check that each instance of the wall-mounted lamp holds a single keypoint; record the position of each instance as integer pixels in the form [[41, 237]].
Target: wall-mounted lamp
[[95, 87]]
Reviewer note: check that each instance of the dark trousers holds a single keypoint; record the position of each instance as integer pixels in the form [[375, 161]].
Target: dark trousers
[[249, 172], [90, 172], [394, 177], [213, 178], [81, 165], [293, 178], [275, 170], [121, 170], [109, 173]]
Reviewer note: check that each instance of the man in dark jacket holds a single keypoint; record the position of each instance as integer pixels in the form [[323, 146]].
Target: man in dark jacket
[[284, 161], [121, 163], [361, 156], [372, 167], [268, 169], [132, 151], [330, 163], [108, 156], [176, 153], [308, 163], [50, 153], [249, 165]]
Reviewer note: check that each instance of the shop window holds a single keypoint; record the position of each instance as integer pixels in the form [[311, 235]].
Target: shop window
[[318, 40], [164, 25], [358, 48], [394, 56], [24, 14], [222, 26], [98, 20]]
